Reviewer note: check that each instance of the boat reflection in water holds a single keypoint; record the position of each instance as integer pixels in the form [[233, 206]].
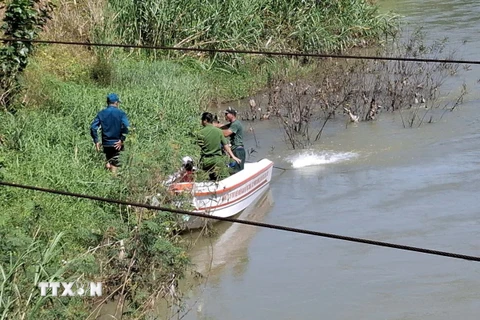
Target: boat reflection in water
[[229, 247], [211, 255]]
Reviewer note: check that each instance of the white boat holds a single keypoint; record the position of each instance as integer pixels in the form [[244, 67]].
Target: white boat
[[228, 197]]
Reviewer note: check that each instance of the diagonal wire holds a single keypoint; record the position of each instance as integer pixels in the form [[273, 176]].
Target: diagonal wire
[[252, 223], [255, 52]]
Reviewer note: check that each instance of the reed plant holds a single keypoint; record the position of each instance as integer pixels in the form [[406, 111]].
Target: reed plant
[[20, 274], [311, 26]]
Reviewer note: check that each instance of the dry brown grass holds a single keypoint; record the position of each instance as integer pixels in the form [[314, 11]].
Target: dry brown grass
[[74, 20], [2, 14], [63, 61]]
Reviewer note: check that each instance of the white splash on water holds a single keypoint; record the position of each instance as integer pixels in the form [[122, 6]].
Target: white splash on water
[[313, 158]]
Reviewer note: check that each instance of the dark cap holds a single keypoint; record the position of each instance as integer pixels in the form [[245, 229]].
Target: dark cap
[[231, 111], [112, 98]]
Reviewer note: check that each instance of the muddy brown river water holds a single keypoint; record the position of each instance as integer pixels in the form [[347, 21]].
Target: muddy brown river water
[[378, 180]]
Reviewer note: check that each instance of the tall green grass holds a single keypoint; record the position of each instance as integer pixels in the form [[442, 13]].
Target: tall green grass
[[312, 26], [50, 146], [20, 276]]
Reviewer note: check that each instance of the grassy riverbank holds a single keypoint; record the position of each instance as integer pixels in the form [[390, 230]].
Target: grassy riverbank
[[46, 141]]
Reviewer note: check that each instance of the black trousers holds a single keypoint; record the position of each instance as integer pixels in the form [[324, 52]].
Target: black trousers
[[112, 155], [239, 152]]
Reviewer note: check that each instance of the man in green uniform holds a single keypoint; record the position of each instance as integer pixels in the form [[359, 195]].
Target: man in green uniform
[[211, 140], [234, 130]]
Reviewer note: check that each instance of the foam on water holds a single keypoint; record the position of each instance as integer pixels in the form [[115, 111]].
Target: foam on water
[[315, 158]]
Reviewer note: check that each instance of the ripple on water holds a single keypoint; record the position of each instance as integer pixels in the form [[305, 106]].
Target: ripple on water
[[315, 158]]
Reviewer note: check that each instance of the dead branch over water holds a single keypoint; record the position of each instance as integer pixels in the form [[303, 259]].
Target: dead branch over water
[[360, 91]]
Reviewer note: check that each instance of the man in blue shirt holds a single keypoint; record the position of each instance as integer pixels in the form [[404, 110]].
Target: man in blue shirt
[[114, 124]]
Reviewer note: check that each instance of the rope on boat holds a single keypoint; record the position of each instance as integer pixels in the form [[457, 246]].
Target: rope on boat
[[284, 169], [252, 223], [267, 53]]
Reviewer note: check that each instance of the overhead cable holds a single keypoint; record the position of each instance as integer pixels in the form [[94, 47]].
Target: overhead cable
[[254, 52], [252, 223]]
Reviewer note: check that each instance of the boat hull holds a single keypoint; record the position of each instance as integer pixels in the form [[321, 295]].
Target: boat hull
[[230, 196], [193, 222]]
